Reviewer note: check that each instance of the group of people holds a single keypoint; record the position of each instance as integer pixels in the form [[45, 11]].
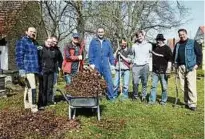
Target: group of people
[[143, 57], [38, 64], [45, 61]]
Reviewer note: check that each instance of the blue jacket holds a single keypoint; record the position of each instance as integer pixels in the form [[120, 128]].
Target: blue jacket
[[190, 55], [27, 55], [99, 55]]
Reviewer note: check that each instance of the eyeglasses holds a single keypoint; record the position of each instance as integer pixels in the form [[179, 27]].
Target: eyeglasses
[[100, 31]]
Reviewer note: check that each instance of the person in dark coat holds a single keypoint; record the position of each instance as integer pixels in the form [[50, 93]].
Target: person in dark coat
[[162, 59], [58, 63], [47, 56]]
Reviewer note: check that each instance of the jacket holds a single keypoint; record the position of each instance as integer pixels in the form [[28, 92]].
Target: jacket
[[27, 55], [58, 59], [193, 54], [101, 55], [161, 56], [70, 56], [47, 57]]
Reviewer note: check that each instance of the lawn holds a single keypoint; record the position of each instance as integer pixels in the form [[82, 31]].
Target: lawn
[[131, 119]]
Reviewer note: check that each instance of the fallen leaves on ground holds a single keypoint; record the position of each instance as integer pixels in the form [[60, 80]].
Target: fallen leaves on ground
[[15, 124]]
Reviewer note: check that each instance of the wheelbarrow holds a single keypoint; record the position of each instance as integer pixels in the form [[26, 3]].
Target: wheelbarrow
[[81, 102]]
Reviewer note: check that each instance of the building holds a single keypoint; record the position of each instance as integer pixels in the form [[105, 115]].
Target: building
[[199, 37], [15, 18]]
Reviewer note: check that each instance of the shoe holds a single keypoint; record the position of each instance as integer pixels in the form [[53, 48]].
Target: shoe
[[52, 104], [144, 100], [151, 103], [162, 103], [41, 108], [135, 98], [34, 110], [192, 108], [27, 107]]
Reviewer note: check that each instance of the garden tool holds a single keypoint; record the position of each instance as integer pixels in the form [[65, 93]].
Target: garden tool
[[119, 66], [177, 90]]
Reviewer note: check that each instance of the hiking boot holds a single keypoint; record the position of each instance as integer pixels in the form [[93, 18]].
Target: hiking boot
[[135, 98], [34, 110], [192, 108], [162, 103], [27, 106], [151, 103], [41, 108]]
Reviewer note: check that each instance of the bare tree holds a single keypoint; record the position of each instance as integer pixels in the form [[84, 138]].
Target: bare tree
[[122, 19]]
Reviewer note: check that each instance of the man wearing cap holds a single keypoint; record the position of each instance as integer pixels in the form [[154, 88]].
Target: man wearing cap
[[162, 57], [100, 57], [140, 70], [72, 61], [187, 57]]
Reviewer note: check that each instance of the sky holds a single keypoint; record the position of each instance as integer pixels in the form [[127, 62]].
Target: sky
[[197, 16]]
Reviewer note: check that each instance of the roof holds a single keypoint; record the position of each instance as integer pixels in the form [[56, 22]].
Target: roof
[[8, 14], [202, 28]]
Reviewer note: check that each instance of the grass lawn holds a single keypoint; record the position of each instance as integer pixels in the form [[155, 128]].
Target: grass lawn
[[132, 120]]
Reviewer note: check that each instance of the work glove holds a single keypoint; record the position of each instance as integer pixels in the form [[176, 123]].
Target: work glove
[[112, 69], [22, 73], [80, 57], [39, 47], [169, 66], [92, 66]]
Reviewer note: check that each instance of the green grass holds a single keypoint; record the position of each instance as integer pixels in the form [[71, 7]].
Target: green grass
[[133, 120]]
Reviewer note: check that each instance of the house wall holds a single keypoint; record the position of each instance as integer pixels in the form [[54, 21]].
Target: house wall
[[4, 57], [29, 16]]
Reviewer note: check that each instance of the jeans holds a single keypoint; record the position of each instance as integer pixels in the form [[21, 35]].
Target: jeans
[[163, 81], [68, 77], [140, 72], [125, 74]]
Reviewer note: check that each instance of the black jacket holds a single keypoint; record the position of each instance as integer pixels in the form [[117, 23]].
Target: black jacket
[[47, 58], [161, 56], [58, 59]]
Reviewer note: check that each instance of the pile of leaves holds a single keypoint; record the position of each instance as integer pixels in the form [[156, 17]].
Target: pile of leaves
[[16, 124], [87, 83]]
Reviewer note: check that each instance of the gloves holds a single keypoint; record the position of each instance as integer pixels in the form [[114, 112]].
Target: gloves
[[168, 71], [92, 66], [22, 73], [80, 57], [39, 47], [112, 69]]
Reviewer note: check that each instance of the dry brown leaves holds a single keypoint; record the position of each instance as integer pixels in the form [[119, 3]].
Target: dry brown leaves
[[87, 83], [15, 124]]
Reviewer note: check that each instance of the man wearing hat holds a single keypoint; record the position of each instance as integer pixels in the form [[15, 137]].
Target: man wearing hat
[[162, 57], [72, 61]]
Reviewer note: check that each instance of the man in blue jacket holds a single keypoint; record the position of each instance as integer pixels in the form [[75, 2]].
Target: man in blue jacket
[[27, 63], [187, 58], [100, 57]]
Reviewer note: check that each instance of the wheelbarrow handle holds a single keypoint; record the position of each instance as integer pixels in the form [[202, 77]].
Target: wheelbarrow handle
[[66, 98]]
